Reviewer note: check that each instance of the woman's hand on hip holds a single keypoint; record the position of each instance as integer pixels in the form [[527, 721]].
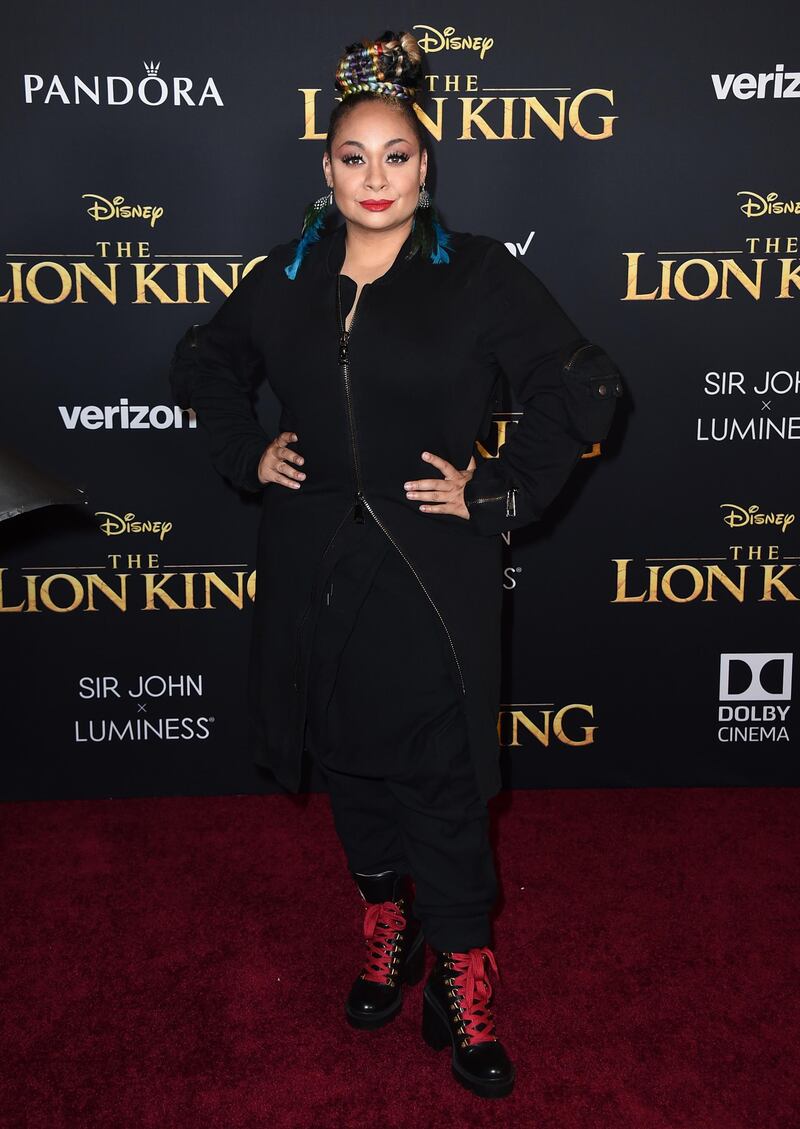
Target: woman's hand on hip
[[276, 462], [446, 496]]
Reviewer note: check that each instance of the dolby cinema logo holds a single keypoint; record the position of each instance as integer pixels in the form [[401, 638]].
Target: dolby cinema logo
[[755, 690]]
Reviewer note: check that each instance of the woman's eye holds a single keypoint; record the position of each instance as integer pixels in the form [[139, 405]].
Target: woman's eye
[[352, 158]]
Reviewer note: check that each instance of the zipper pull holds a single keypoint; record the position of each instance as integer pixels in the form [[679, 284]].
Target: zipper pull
[[343, 341], [358, 509], [580, 349]]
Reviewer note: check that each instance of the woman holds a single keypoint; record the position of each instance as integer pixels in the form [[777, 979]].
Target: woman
[[376, 642]]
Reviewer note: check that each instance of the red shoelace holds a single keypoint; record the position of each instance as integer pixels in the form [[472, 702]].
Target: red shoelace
[[475, 992], [382, 921]]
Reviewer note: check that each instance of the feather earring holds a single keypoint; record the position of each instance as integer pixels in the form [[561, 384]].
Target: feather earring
[[431, 239], [439, 254], [313, 223]]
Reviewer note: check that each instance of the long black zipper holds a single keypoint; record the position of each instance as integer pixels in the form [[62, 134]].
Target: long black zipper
[[424, 589], [360, 500], [344, 341], [354, 508]]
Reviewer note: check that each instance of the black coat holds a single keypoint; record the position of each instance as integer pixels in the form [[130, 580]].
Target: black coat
[[428, 343]]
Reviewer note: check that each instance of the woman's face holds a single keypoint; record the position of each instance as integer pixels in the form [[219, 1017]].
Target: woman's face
[[375, 156]]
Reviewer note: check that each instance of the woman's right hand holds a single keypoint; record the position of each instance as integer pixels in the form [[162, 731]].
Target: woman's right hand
[[274, 465]]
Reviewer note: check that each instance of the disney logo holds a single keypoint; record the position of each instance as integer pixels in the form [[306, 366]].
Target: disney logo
[[117, 209], [768, 205], [114, 525], [740, 516], [433, 40]]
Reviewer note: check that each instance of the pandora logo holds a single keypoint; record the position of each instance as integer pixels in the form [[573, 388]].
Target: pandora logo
[[117, 90]]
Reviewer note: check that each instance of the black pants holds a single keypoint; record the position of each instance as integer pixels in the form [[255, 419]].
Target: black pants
[[385, 728]]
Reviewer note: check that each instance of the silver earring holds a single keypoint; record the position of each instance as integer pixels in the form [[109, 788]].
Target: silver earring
[[424, 199], [324, 201]]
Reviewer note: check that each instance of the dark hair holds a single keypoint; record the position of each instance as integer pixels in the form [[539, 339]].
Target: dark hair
[[342, 109]]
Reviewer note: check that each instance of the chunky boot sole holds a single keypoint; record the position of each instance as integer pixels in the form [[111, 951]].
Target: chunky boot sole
[[438, 1034], [412, 972]]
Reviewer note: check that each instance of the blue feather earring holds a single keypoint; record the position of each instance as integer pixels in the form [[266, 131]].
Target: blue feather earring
[[442, 241], [313, 223], [430, 237]]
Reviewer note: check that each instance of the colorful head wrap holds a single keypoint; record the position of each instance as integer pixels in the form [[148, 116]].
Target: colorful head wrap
[[378, 66]]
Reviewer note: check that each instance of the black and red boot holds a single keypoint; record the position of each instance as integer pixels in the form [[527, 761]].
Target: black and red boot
[[395, 950], [456, 1012]]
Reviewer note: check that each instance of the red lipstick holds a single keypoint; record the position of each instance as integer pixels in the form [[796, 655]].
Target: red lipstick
[[375, 205]]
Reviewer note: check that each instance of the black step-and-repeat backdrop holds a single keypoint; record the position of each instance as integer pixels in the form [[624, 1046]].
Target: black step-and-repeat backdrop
[[642, 162]]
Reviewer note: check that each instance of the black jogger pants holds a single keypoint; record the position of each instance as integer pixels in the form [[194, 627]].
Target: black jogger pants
[[384, 725]]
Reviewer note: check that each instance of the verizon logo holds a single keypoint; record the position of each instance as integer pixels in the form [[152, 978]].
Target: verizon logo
[[125, 416], [772, 84]]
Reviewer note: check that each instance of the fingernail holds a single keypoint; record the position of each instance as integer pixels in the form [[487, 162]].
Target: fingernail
[[424, 454], [406, 485], [301, 460]]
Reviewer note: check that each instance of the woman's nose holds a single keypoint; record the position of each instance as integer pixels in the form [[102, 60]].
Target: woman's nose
[[375, 181]]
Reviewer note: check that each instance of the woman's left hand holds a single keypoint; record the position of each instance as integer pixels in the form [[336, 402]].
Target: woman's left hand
[[447, 494]]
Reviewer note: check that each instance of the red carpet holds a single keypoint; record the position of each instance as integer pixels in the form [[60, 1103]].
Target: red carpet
[[182, 963]]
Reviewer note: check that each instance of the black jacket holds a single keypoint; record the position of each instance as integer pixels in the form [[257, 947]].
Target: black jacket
[[428, 343]]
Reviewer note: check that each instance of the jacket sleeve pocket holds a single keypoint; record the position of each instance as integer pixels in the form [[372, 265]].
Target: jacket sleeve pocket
[[215, 369], [566, 386], [592, 385]]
